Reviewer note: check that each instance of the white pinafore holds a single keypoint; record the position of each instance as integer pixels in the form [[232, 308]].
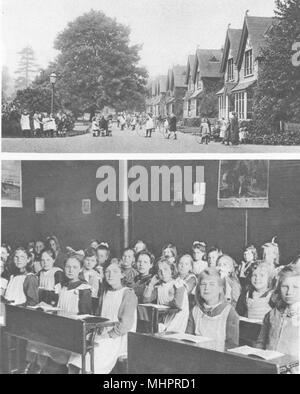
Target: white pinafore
[[108, 350], [47, 279], [15, 289], [257, 308], [165, 293], [213, 327]]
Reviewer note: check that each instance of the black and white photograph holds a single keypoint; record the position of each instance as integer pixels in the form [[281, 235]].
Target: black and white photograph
[[144, 285], [150, 183], [169, 76]]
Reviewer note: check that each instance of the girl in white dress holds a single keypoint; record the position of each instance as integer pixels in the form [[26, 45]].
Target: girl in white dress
[[74, 297], [118, 304], [22, 288], [213, 317], [165, 289], [199, 255]]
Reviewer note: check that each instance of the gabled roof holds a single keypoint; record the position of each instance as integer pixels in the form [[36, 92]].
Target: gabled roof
[[176, 77], [162, 80], [179, 73], [189, 67], [208, 61], [255, 27], [232, 42]]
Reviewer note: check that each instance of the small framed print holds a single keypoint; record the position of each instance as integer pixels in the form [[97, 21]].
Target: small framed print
[[86, 206]]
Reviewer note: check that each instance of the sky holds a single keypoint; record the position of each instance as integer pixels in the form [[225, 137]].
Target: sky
[[169, 30]]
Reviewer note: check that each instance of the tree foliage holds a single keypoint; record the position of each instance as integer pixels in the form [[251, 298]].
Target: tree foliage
[[35, 99], [277, 96], [97, 66], [27, 66]]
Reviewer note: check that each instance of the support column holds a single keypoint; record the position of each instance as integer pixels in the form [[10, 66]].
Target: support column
[[124, 203]]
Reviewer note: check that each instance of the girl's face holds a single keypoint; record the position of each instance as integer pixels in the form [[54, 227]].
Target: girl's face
[[260, 279], [144, 264], [210, 290], [184, 266], [20, 259], [4, 254], [289, 290], [128, 258], [164, 272], [139, 246], [72, 269], [212, 258], [90, 262], [225, 267], [113, 276], [47, 261], [53, 245], [248, 256], [39, 246], [168, 253], [198, 254], [102, 256]]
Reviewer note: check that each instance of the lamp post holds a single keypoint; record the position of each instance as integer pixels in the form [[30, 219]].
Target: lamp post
[[53, 77]]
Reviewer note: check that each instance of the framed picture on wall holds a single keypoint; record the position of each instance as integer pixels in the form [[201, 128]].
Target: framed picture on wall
[[11, 184], [86, 206], [243, 184]]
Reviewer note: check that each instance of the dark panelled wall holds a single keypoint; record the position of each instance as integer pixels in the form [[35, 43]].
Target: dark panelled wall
[[65, 184]]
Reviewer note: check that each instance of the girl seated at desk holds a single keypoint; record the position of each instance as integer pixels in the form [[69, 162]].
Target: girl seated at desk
[[200, 258], [90, 275], [213, 317], [22, 288], [117, 303], [280, 330], [254, 301], [165, 289], [145, 261], [226, 267], [185, 272], [74, 297], [49, 278]]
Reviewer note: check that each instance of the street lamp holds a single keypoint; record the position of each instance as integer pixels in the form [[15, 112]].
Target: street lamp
[[53, 77]]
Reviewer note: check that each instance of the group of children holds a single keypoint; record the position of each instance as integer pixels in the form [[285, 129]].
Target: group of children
[[44, 124], [206, 290]]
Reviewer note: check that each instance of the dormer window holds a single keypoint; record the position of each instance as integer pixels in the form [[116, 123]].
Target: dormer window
[[248, 63], [230, 70]]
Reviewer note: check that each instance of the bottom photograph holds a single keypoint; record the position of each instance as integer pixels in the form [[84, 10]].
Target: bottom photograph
[[150, 267]]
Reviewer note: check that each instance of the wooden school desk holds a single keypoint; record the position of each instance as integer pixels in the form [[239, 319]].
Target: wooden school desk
[[152, 314], [56, 329], [153, 354]]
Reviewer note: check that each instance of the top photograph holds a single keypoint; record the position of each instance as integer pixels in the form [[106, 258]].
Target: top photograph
[[160, 76]]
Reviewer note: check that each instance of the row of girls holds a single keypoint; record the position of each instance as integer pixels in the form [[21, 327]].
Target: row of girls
[[207, 288]]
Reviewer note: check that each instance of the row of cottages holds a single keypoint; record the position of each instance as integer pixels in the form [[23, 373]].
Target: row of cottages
[[240, 66], [165, 94], [203, 79]]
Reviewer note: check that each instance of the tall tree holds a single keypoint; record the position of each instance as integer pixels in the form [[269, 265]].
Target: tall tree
[[97, 66], [277, 96], [27, 67]]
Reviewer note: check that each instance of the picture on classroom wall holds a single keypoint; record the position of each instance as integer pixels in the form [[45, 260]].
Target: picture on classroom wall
[[11, 184], [86, 206], [243, 184]]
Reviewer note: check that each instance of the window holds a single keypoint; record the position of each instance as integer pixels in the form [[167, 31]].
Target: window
[[248, 63], [240, 105], [230, 70]]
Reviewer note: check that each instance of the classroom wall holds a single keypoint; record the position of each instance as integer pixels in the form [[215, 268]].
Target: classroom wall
[[64, 184]]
